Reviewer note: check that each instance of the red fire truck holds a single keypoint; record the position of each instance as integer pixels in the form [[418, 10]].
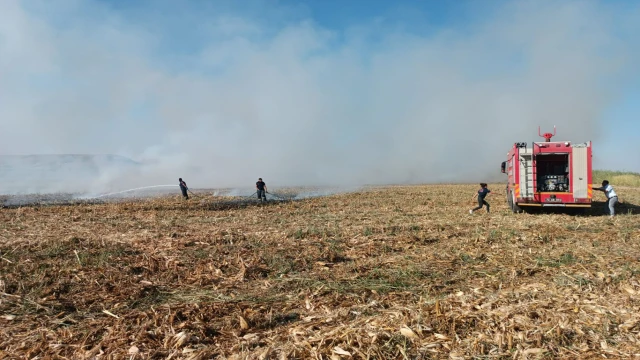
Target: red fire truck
[[548, 174]]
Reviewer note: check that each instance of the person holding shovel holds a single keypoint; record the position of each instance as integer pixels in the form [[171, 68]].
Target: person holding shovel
[[262, 190]]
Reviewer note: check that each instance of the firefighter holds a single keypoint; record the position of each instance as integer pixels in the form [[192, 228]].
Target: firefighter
[[482, 193], [262, 190], [184, 188], [612, 197]]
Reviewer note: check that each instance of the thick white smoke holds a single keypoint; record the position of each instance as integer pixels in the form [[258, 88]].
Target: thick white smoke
[[234, 96]]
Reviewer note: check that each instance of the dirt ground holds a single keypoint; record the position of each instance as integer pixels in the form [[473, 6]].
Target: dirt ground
[[388, 273]]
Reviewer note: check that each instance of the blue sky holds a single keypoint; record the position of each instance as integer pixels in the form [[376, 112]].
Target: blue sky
[[319, 91], [618, 149]]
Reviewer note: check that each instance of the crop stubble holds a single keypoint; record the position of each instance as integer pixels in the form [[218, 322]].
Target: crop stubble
[[396, 272]]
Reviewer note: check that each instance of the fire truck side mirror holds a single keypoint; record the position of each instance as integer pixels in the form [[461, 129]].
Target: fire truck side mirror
[[503, 167]]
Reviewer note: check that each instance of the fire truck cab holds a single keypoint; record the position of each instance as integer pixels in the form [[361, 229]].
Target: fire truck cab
[[548, 174]]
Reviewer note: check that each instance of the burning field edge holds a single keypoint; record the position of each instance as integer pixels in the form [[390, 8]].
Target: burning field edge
[[401, 272]]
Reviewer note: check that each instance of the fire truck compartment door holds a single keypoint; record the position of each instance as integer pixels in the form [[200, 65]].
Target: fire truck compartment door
[[579, 173]]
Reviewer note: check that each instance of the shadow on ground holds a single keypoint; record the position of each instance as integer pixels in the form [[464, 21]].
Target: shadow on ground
[[598, 208]]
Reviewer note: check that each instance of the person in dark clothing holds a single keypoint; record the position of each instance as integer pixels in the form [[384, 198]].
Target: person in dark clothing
[[183, 188], [482, 193], [262, 190]]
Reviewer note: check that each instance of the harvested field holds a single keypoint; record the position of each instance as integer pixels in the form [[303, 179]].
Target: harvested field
[[399, 272]]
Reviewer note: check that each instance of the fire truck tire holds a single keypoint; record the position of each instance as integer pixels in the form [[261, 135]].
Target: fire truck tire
[[512, 204]]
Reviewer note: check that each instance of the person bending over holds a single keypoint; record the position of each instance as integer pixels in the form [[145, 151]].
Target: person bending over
[[612, 197]]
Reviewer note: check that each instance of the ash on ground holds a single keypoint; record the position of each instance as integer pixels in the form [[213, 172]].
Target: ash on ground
[[228, 195]]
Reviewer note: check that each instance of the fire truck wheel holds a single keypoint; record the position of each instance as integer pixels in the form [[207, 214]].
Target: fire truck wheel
[[512, 204]]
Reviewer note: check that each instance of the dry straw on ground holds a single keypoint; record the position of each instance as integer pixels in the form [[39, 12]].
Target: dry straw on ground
[[391, 273]]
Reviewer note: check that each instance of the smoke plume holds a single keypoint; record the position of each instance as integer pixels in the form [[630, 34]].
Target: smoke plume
[[221, 95]]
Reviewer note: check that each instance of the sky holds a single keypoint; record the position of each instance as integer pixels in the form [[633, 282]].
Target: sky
[[316, 92]]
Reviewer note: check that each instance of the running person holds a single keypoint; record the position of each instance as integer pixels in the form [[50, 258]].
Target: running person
[[482, 193]]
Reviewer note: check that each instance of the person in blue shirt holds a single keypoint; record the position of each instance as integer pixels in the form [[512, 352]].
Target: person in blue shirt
[[482, 193]]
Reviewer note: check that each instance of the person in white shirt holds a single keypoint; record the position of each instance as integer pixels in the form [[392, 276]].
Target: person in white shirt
[[612, 197]]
